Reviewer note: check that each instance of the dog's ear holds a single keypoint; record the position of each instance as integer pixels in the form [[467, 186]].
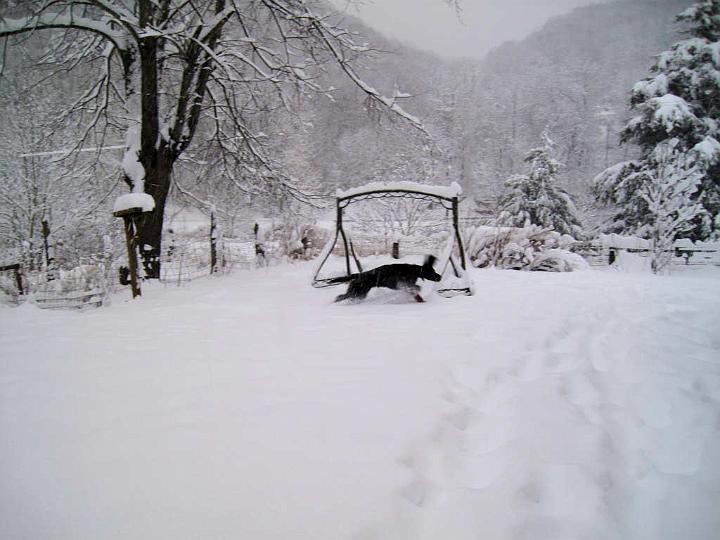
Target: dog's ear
[[430, 260]]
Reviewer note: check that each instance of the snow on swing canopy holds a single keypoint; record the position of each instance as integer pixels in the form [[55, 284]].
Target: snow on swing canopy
[[445, 192]]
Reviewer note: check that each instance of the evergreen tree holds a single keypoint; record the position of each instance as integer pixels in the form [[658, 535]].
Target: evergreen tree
[[679, 102], [535, 199], [673, 181]]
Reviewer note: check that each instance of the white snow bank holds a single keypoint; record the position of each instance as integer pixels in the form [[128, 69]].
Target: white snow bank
[[453, 190], [547, 406], [134, 200]]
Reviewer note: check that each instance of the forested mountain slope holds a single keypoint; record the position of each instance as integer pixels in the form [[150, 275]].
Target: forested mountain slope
[[572, 76]]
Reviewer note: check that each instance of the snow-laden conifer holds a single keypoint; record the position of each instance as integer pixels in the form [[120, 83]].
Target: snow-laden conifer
[[670, 196], [677, 106], [536, 199]]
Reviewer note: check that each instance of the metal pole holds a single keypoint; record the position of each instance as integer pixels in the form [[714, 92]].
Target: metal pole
[[458, 237], [339, 229]]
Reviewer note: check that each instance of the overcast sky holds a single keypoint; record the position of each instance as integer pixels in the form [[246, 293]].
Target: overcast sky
[[483, 24]]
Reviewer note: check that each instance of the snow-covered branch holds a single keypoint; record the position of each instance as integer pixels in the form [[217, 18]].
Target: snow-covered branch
[[49, 20]]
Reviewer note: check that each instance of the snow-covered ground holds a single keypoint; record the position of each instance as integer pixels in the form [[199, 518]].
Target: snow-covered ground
[[249, 406]]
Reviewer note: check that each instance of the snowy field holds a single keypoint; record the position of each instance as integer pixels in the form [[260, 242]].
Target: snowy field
[[249, 406]]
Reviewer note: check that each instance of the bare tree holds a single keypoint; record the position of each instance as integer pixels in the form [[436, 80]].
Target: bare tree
[[167, 70]]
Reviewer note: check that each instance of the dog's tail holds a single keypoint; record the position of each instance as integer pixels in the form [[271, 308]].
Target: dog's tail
[[341, 279]]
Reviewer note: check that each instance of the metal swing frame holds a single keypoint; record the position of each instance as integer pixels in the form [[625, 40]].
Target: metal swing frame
[[451, 204]]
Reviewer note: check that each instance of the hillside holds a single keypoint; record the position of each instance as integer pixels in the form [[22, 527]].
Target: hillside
[[573, 75]]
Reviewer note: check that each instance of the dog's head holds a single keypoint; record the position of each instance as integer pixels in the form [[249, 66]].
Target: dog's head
[[428, 272]]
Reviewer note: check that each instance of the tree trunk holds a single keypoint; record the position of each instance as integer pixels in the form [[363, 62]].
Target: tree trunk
[[153, 151], [157, 184]]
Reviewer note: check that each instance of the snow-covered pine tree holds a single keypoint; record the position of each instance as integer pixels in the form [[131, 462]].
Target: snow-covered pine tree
[[536, 199], [679, 101], [670, 195]]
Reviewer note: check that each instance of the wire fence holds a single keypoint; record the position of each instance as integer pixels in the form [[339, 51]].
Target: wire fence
[[90, 285], [188, 261], [606, 255]]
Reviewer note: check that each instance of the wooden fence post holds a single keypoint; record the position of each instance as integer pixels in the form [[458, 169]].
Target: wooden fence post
[[15, 268], [213, 243], [396, 249], [49, 251], [128, 216]]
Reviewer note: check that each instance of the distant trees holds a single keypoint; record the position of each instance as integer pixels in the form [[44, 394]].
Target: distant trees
[[572, 75], [677, 126], [166, 70], [536, 199], [39, 186]]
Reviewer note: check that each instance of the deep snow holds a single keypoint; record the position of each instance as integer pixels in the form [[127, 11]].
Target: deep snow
[[249, 406]]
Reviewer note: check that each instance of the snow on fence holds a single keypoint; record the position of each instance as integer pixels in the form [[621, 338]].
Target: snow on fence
[[188, 261], [185, 262], [69, 299], [82, 287], [604, 250]]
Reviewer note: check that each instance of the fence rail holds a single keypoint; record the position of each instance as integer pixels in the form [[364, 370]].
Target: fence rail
[[193, 261], [69, 299], [682, 256]]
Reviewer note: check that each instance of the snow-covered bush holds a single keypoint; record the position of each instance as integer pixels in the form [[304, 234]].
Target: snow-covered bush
[[526, 248]]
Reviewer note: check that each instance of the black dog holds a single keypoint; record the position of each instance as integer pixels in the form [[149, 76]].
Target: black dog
[[391, 276]]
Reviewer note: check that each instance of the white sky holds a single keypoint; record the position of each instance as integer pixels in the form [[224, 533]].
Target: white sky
[[483, 24]]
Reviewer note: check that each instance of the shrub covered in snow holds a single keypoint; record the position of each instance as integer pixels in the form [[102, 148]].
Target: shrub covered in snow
[[526, 248]]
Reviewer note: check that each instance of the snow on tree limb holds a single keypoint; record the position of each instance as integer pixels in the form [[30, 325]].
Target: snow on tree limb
[[131, 165], [708, 150], [333, 41], [134, 200], [671, 112], [177, 68], [48, 20]]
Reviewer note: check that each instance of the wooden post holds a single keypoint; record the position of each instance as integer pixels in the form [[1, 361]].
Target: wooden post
[[213, 244], [49, 255], [15, 268], [131, 240], [396, 250]]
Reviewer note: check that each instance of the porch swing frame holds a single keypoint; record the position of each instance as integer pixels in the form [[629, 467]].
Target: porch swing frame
[[409, 190]]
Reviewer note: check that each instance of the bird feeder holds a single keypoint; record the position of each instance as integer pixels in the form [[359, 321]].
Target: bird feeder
[[129, 207]]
